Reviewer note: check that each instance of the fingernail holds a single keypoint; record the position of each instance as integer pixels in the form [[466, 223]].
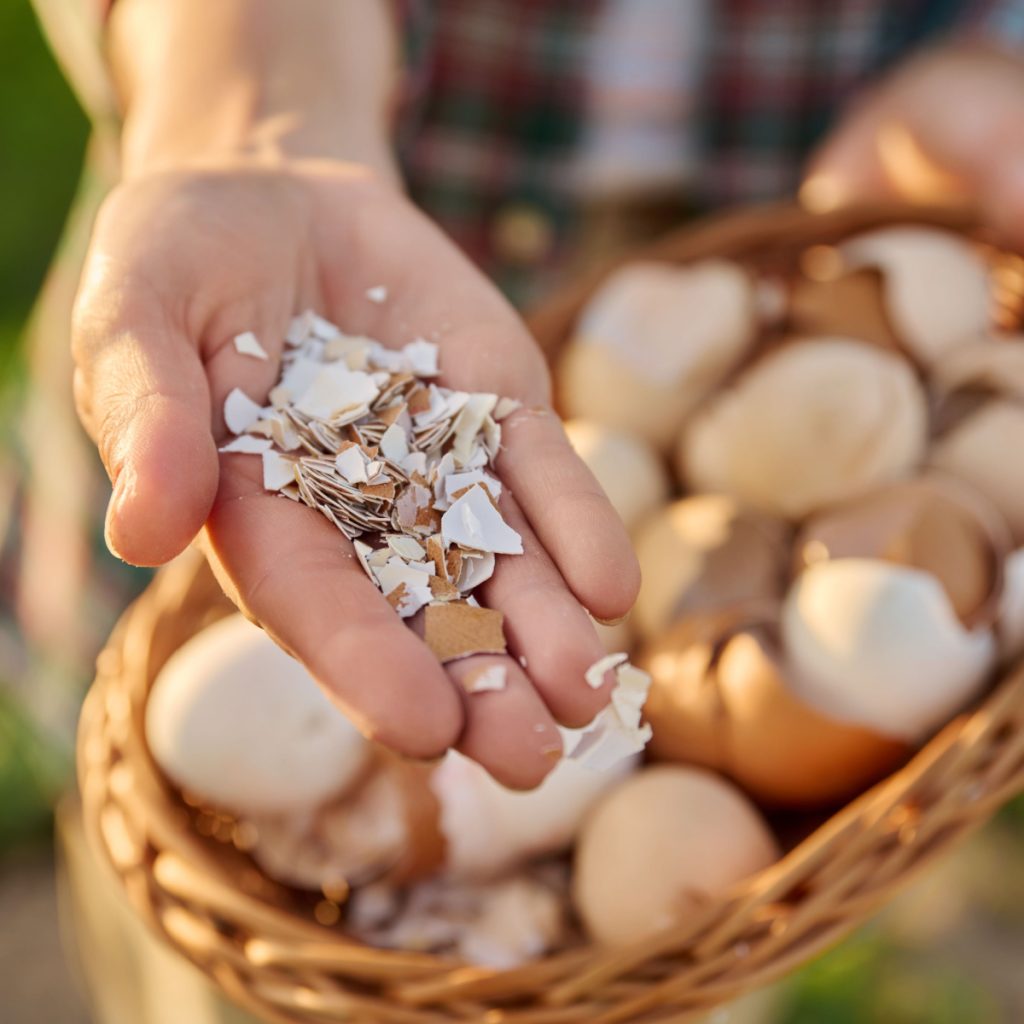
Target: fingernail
[[610, 622], [112, 523]]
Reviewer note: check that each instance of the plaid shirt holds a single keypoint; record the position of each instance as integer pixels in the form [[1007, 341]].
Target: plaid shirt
[[492, 113]]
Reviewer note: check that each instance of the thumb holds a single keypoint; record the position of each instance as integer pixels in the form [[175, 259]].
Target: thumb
[[142, 394]]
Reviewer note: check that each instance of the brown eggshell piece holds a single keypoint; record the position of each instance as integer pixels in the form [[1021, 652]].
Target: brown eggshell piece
[[932, 523], [782, 751], [851, 304]]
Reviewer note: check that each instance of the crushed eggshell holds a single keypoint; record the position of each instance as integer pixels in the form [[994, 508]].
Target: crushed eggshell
[[398, 464], [247, 344], [456, 630], [378, 293], [616, 732]]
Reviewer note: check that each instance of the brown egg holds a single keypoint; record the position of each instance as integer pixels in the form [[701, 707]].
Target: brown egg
[[653, 342], [812, 423], [720, 698], [934, 523], [848, 304], [660, 846], [705, 552]]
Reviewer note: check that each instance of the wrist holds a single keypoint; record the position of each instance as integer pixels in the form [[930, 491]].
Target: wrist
[[253, 81]]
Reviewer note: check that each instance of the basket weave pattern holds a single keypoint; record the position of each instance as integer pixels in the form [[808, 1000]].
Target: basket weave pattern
[[260, 941]]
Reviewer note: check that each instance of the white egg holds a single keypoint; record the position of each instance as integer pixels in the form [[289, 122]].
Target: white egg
[[658, 846], [653, 342], [937, 288], [813, 423], [234, 720], [627, 468], [879, 645], [489, 828]]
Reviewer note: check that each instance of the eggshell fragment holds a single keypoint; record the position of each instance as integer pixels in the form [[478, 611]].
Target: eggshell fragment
[[706, 552], [937, 286], [720, 697], [879, 645], [812, 423], [489, 828], [653, 342], [627, 468], [849, 304], [237, 722], [933, 523], [659, 846], [977, 450]]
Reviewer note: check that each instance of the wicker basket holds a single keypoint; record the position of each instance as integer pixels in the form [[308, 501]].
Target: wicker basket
[[261, 942]]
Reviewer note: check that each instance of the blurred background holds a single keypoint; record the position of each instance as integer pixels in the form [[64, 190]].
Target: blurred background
[[949, 951]]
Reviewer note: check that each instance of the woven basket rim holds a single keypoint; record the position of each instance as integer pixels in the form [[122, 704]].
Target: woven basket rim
[[289, 969]]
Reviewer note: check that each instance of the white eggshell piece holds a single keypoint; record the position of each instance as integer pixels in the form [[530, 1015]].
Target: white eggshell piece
[[239, 723], [1011, 607], [654, 341], [627, 468], [937, 288], [878, 645], [815, 423], [490, 828]]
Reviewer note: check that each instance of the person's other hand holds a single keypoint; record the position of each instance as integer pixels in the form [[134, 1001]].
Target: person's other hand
[[179, 264], [948, 126]]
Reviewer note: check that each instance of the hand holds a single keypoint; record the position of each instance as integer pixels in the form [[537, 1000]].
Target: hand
[[946, 127], [180, 263]]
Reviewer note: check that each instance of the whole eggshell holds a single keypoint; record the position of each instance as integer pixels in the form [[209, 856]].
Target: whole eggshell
[[937, 286], [736, 713], [653, 342], [812, 423], [976, 451], [237, 722], [489, 828], [626, 467], [661, 844], [933, 523], [705, 552], [879, 645]]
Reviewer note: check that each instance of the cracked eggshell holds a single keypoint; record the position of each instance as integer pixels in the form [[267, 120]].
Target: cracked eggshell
[[659, 846], [933, 523], [813, 423], [937, 287], [1010, 623], [627, 468], [976, 451], [721, 698], [235, 721], [705, 552], [879, 645], [653, 342], [489, 828]]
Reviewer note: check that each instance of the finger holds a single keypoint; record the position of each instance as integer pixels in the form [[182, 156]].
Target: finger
[[546, 626], [570, 514], [143, 396], [508, 731], [291, 570]]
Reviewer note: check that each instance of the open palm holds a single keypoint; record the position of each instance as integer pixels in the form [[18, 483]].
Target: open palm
[[180, 264]]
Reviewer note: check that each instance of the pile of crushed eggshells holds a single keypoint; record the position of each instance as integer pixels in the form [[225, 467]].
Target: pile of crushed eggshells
[[843, 573]]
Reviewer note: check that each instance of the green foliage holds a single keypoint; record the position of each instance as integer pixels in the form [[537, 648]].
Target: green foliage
[[32, 773], [43, 133], [869, 980]]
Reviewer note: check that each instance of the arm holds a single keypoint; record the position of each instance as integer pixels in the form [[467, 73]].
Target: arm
[[258, 182]]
